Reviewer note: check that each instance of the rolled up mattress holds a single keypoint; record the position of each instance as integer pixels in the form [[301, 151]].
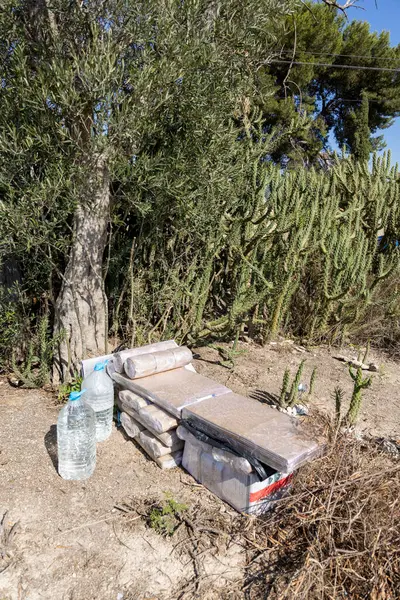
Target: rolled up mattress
[[157, 362], [120, 357]]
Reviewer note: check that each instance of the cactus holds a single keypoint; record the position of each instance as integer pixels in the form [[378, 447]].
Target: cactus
[[270, 240], [355, 402], [338, 395], [366, 353], [312, 381], [284, 388], [294, 390]]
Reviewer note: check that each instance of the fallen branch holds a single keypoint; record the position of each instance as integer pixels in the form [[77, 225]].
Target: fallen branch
[[357, 363]]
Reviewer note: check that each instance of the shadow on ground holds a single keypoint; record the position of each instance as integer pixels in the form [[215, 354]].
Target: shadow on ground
[[50, 442], [264, 397]]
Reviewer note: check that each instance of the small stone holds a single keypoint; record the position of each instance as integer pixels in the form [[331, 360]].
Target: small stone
[[374, 367], [391, 447], [300, 349], [301, 409]]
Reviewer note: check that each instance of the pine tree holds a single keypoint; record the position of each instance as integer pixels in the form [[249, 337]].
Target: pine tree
[[358, 132]]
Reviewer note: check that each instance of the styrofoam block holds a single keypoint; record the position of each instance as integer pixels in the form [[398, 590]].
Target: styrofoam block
[[88, 364], [248, 426], [173, 390]]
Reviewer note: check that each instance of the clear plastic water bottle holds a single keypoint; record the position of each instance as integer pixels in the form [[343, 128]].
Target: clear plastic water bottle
[[76, 439], [100, 396]]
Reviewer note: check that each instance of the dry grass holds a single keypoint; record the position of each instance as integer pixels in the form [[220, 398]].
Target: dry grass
[[380, 323], [337, 536], [7, 547]]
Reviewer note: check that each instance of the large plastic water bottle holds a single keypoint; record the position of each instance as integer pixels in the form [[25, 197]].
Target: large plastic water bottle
[[76, 439], [100, 396]]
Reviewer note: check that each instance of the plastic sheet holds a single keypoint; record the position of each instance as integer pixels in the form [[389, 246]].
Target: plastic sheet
[[169, 461], [110, 367], [157, 362], [250, 427], [157, 418], [154, 447], [131, 427], [133, 400], [88, 364], [173, 390], [258, 467], [168, 438], [120, 357], [236, 462]]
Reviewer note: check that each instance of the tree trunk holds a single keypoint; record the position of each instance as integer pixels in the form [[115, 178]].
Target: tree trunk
[[81, 317]]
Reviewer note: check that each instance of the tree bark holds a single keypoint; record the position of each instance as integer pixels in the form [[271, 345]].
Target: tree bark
[[81, 318]]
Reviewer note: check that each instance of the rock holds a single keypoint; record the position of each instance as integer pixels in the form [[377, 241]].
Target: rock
[[299, 349], [301, 410], [391, 447], [374, 367]]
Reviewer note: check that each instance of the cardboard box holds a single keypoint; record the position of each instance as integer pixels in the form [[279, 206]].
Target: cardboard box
[[243, 491]]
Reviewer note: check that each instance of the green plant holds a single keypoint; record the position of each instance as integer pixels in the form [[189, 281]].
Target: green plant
[[366, 353], [294, 390], [65, 389], [338, 396], [355, 402], [35, 369], [289, 398], [284, 388], [166, 518], [197, 228], [228, 355], [312, 381]]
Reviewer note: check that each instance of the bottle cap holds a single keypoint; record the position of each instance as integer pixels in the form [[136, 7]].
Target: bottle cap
[[100, 366], [76, 395]]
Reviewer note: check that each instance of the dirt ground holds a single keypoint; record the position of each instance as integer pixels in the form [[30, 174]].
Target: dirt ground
[[73, 543]]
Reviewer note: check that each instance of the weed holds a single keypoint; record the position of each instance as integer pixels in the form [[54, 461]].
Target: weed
[[7, 549], [66, 388], [166, 518], [228, 355], [34, 371]]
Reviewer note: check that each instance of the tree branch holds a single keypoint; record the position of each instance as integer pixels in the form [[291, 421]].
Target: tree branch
[[343, 7]]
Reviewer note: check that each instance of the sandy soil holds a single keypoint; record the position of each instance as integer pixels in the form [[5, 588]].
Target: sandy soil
[[73, 544]]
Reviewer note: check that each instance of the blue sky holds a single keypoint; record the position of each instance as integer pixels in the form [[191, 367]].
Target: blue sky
[[384, 18]]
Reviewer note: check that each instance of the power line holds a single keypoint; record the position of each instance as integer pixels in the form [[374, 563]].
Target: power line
[[329, 65], [344, 55]]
